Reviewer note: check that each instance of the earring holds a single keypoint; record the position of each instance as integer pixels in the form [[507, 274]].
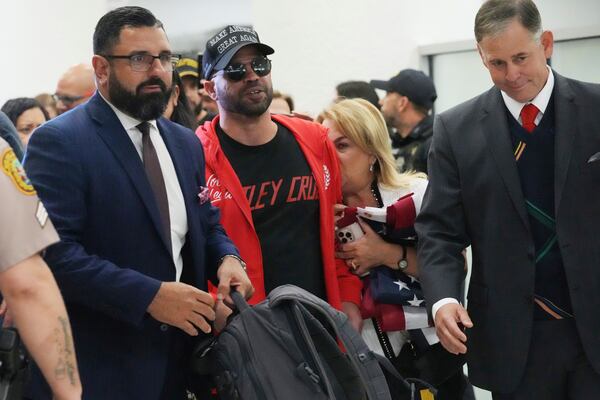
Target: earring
[[371, 167]]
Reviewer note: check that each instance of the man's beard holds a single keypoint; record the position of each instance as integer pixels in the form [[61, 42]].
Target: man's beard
[[237, 104], [144, 107], [390, 120]]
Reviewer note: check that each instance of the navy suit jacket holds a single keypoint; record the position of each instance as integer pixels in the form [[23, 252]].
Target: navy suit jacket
[[112, 257]]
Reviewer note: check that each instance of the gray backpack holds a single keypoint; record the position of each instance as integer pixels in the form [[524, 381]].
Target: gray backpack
[[285, 348]]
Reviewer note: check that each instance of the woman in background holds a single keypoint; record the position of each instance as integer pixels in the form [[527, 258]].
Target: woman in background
[[26, 114], [369, 179], [178, 108]]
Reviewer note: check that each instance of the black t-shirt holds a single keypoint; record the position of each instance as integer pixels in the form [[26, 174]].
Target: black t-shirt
[[284, 202]]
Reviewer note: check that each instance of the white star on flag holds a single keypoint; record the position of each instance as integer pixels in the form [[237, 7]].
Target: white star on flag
[[415, 301], [413, 280], [401, 285]]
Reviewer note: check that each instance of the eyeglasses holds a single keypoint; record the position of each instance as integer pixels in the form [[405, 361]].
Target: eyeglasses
[[66, 99], [143, 62], [237, 71]]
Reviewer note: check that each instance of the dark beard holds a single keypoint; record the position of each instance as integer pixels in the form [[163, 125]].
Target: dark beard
[[246, 108], [390, 120], [144, 107]]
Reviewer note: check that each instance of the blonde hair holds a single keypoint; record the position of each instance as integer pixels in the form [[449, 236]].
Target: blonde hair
[[363, 124]]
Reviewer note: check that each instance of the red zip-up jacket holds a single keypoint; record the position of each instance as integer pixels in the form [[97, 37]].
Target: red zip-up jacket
[[226, 192]]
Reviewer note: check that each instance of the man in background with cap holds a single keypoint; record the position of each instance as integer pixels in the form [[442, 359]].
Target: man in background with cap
[[275, 178], [203, 107], [406, 107], [187, 68]]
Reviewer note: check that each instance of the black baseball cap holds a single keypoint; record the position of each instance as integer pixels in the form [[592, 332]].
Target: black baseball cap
[[414, 84], [221, 48]]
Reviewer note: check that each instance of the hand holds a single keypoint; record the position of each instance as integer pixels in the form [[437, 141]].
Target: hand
[[353, 313], [222, 313], [446, 326], [338, 211], [368, 252], [183, 306], [231, 273]]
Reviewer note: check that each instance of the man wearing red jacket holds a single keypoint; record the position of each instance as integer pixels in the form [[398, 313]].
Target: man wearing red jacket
[[275, 178]]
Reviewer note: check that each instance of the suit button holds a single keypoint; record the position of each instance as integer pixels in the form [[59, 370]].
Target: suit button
[[164, 327]]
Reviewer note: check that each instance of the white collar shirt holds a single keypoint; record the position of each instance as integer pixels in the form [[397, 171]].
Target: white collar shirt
[[540, 101]]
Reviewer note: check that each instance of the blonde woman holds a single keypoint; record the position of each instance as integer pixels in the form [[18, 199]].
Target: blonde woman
[[370, 179]]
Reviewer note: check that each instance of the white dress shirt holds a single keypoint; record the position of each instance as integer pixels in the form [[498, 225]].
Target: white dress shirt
[[177, 210], [540, 101]]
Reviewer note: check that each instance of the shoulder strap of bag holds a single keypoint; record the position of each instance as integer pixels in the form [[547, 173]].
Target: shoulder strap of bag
[[370, 374]]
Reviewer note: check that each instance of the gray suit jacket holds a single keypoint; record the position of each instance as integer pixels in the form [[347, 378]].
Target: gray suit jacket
[[474, 198]]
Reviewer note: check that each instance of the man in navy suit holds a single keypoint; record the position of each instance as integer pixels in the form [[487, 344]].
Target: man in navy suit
[[125, 189], [515, 173]]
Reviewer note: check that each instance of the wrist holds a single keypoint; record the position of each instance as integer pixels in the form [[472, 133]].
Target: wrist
[[394, 254], [242, 263], [401, 262]]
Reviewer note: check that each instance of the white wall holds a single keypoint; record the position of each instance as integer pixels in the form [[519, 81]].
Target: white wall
[[319, 44], [189, 23], [40, 40]]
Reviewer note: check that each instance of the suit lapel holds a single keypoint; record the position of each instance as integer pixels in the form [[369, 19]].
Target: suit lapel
[[496, 131], [113, 134], [565, 122]]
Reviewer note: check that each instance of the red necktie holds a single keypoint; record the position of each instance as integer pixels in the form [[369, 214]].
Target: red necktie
[[528, 114]]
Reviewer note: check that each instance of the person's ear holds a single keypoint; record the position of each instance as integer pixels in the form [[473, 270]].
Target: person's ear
[[402, 103], [209, 87], [372, 162], [547, 41], [101, 70], [175, 95]]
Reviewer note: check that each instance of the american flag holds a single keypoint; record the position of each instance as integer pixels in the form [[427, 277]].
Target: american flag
[[396, 301]]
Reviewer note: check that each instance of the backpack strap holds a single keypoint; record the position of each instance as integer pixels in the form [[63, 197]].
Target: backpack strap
[[409, 383], [329, 350], [238, 300], [361, 357]]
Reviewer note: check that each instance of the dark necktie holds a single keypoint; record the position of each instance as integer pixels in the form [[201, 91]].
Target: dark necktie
[[155, 177], [528, 114]]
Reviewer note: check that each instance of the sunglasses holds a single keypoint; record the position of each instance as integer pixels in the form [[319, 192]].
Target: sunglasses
[[237, 71]]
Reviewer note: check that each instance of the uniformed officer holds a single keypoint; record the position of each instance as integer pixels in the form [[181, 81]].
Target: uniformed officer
[[26, 282]]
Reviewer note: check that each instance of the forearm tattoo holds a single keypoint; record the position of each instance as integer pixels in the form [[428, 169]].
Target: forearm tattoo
[[65, 367]]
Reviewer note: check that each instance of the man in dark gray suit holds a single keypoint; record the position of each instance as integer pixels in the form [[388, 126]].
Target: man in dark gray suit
[[515, 173]]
